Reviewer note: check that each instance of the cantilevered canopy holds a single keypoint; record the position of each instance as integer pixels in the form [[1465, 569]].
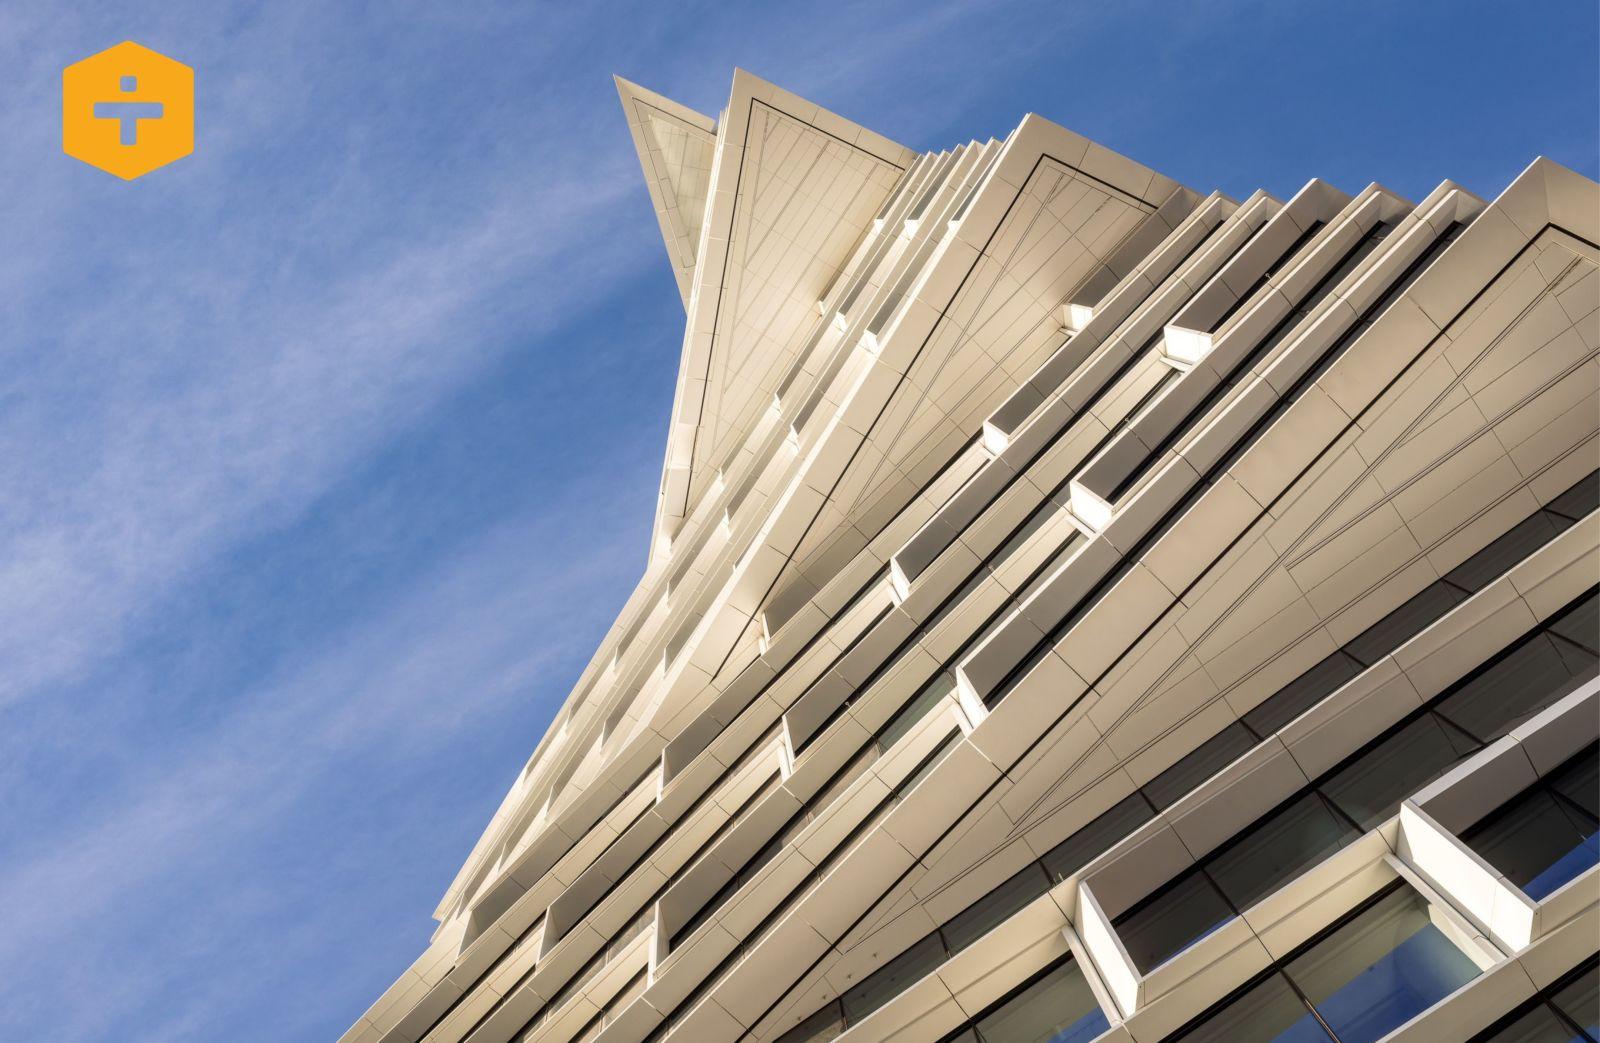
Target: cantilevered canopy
[[759, 213], [676, 146]]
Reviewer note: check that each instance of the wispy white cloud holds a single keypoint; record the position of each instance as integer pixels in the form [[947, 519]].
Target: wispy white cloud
[[212, 388], [195, 363], [492, 626]]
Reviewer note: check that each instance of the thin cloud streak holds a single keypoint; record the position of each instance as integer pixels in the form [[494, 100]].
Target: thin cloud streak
[[399, 687], [184, 474]]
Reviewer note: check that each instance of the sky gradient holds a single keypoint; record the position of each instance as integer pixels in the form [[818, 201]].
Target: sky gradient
[[328, 453]]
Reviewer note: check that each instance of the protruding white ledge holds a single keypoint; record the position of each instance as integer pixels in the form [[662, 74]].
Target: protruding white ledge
[[994, 439], [1089, 508], [1184, 346]]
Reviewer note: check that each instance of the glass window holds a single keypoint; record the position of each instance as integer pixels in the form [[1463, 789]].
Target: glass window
[[1580, 500], [1579, 1000], [988, 912], [1277, 848], [1172, 920], [1489, 563], [925, 769], [1382, 968], [913, 712], [1041, 514], [1370, 788], [1538, 1025], [1267, 1012], [1538, 844], [894, 977], [1534, 675], [1578, 780], [586, 1034], [1301, 694], [1405, 622], [842, 780], [1562, 1011], [1075, 852], [627, 994], [1210, 757], [825, 1024], [1580, 624], [1056, 1007]]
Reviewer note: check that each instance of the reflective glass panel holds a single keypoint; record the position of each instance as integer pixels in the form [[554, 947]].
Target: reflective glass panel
[[893, 978], [1530, 678], [1075, 852], [982, 916], [1538, 1025], [820, 1027], [1304, 692], [1536, 843], [1579, 781], [1579, 1000], [1370, 788], [1405, 622], [1381, 969], [1522, 540], [1579, 500], [1210, 757], [1269, 1012], [1058, 1007], [912, 713], [1161, 927], [1581, 623], [1277, 848]]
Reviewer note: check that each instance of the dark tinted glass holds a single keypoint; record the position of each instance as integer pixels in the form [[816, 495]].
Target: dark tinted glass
[[1578, 501], [1405, 622], [982, 916], [825, 1024], [1536, 843], [1278, 848], [1530, 678], [1056, 1008], [1579, 1000], [1269, 1012], [1538, 1025], [1579, 781], [1381, 969], [843, 779], [928, 764], [1522, 540], [1161, 927], [893, 978], [1581, 661], [912, 713], [1580, 624], [1304, 692], [1210, 757], [1075, 852], [1370, 788]]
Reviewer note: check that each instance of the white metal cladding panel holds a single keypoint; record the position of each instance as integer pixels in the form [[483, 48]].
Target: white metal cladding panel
[[1409, 473]]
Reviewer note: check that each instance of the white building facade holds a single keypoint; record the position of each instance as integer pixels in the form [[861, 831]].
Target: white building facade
[[1079, 608]]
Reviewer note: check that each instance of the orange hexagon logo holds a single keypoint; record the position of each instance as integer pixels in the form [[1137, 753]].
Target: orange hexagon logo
[[127, 110]]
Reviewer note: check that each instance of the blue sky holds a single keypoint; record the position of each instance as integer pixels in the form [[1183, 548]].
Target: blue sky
[[327, 454]]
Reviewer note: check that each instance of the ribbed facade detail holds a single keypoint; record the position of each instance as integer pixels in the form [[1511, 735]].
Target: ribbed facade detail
[[1078, 608]]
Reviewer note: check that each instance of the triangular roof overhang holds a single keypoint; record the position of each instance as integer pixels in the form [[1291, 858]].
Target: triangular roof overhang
[[690, 467]]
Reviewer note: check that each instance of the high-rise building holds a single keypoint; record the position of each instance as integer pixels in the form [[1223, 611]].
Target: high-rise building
[[1079, 608]]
